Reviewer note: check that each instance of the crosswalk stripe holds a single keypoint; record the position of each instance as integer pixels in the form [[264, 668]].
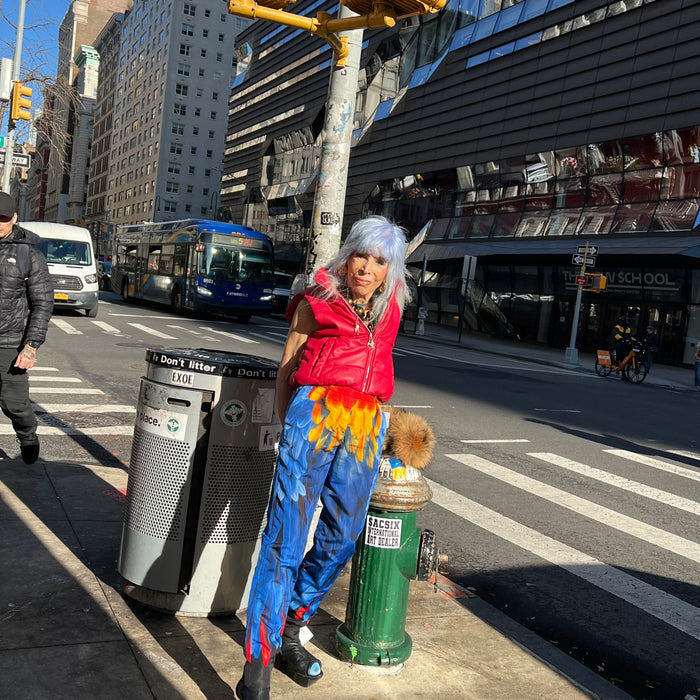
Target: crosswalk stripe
[[662, 605], [64, 390], [82, 408], [267, 337], [107, 328], [51, 430], [151, 331], [240, 338], [67, 380], [43, 369], [494, 440], [197, 333], [65, 326], [685, 453], [606, 516], [621, 482], [656, 463]]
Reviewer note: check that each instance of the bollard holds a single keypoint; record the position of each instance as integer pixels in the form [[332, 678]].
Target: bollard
[[390, 553]]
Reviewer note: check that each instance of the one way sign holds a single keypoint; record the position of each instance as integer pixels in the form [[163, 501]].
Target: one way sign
[[589, 250], [589, 260]]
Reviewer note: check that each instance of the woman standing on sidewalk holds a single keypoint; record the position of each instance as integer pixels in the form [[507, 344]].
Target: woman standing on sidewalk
[[335, 372]]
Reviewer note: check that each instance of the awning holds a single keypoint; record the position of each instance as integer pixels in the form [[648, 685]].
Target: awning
[[687, 245]]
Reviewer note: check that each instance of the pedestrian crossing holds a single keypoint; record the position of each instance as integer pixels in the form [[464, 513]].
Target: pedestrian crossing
[[566, 548]]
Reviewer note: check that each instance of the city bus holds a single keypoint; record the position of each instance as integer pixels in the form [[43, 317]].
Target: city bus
[[195, 264]]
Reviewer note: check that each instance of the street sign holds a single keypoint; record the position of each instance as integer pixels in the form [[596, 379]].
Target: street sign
[[592, 249], [577, 259], [581, 280], [2, 142], [20, 159]]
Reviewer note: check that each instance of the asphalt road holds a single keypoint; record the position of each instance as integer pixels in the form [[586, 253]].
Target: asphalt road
[[569, 502]]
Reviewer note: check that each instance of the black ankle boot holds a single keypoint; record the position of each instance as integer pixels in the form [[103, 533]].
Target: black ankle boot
[[255, 682], [293, 659]]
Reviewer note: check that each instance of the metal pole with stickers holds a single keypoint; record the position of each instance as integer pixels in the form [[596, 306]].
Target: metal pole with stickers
[[202, 461]]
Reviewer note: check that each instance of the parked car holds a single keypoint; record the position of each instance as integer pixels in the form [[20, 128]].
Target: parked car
[[282, 292]]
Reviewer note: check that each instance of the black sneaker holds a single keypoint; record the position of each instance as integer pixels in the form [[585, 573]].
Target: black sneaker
[[29, 449]]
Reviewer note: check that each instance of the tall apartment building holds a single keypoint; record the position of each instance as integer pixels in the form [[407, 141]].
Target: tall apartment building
[[107, 47], [83, 21], [176, 63]]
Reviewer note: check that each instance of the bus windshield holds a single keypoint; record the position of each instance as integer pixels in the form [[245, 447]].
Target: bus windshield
[[233, 264]]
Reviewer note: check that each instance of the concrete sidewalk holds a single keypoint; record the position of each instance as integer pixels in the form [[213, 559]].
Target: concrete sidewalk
[[67, 632]]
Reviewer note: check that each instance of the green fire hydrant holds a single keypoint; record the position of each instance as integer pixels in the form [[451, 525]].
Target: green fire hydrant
[[390, 552]]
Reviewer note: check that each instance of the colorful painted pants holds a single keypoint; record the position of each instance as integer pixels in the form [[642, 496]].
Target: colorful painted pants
[[330, 448]]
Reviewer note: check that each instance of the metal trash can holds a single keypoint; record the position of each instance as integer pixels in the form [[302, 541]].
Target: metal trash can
[[201, 467]]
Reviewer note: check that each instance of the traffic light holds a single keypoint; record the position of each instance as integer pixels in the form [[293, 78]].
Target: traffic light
[[21, 102], [599, 282]]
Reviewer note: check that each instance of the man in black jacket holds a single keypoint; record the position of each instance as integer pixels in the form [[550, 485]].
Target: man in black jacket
[[26, 302]]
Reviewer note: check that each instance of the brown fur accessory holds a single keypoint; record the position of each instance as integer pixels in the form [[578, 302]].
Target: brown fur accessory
[[409, 438]]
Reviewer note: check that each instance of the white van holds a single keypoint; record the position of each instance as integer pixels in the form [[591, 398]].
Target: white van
[[71, 260]]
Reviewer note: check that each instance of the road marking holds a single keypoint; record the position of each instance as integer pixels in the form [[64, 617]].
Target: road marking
[[558, 410], [606, 516], [160, 316], [621, 482], [63, 390], [68, 380], [51, 430], [197, 333], [239, 338], [656, 463], [43, 369], [398, 405], [82, 408], [65, 326], [471, 442], [150, 331], [280, 335], [107, 328], [266, 336], [664, 606]]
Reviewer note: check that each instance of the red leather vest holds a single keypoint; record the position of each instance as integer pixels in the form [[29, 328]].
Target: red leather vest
[[342, 351]]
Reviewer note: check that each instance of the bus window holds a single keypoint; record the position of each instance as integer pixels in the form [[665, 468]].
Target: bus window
[[165, 265], [153, 259], [126, 257], [180, 259], [255, 268]]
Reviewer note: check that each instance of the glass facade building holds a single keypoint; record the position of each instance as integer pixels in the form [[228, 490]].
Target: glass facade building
[[511, 131]]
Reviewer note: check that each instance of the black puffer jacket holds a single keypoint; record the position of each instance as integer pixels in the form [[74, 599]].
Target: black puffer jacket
[[25, 304]]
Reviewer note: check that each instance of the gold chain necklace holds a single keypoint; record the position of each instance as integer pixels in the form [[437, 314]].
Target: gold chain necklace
[[364, 311]]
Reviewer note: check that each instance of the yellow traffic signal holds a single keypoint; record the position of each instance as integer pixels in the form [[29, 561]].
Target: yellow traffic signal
[[21, 102], [599, 282], [398, 8]]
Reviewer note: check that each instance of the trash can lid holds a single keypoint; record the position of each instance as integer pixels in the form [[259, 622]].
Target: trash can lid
[[214, 362]]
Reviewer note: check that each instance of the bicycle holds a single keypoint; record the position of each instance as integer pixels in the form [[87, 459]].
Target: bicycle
[[634, 364]]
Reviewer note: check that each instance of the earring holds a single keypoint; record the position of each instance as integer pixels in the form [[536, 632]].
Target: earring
[[382, 287]]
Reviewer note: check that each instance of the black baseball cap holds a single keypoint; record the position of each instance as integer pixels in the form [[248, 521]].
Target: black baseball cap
[[8, 205]]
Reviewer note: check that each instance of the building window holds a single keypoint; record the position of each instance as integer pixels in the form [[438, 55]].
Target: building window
[[184, 50], [203, 53], [181, 89], [205, 33], [188, 208], [169, 205], [187, 30], [205, 191], [176, 148], [174, 168], [193, 150], [212, 115], [178, 129], [189, 10], [183, 69], [190, 189], [207, 172], [210, 153], [214, 95], [219, 57], [172, 187], [180, 109], [203, 211], [197, 111], [201, 73], [191, 170], [195, 131], [211, 134], [200, 92], [221, 37]]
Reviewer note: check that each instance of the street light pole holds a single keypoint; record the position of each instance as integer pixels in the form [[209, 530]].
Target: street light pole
[[10, 141], [329, 200]]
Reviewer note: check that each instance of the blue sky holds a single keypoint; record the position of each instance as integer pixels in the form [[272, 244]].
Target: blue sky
[[40, 42]]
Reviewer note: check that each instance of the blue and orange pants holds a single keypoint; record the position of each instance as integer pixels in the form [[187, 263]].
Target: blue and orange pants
[[330, 449]]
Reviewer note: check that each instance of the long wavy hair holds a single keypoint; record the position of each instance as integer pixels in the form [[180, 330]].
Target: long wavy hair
[[376, 236]]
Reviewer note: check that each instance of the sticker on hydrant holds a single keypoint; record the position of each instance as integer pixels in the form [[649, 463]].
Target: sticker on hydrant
[[384, 533]]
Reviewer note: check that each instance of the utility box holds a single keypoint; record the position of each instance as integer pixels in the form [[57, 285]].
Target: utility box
[[202, 462]]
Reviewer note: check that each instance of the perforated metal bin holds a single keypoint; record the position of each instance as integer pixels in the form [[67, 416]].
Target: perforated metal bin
[[202, 461]]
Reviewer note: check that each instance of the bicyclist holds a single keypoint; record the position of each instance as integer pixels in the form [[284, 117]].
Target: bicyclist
[[621, 339]]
